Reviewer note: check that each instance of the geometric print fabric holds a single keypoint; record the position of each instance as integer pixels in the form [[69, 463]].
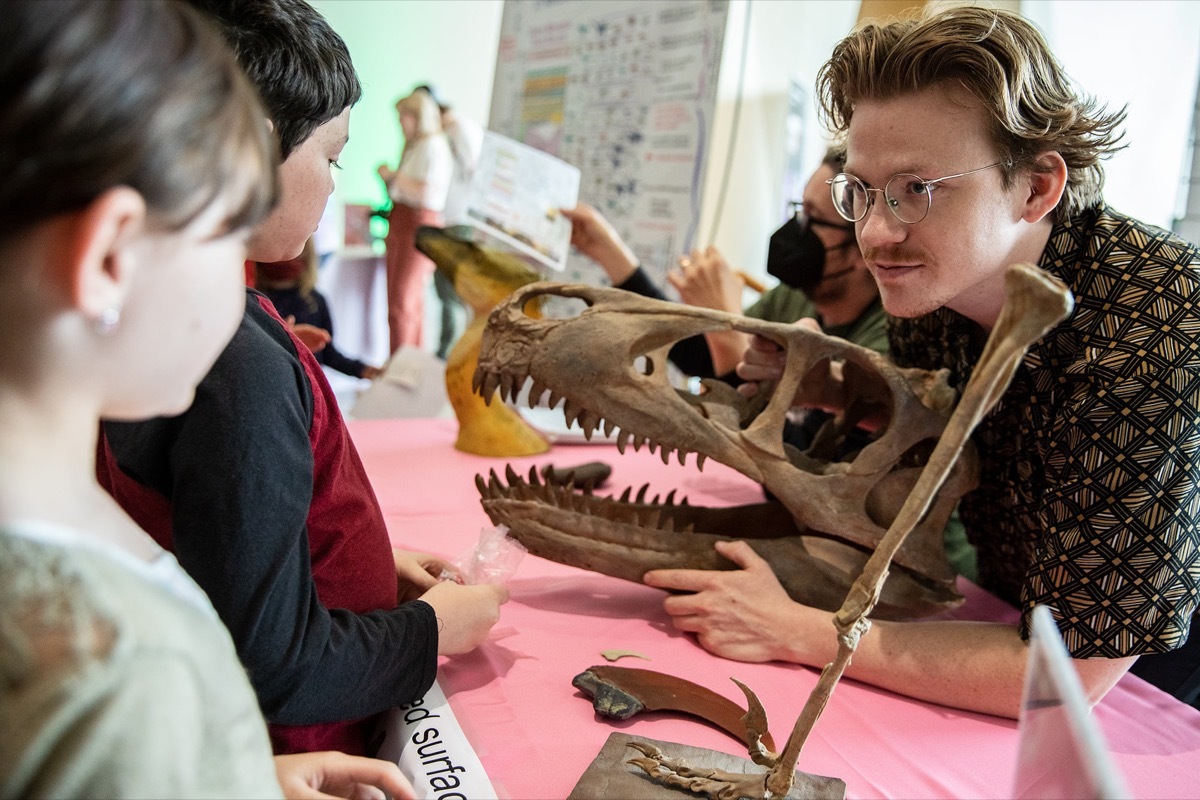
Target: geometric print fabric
[[1089, 497]]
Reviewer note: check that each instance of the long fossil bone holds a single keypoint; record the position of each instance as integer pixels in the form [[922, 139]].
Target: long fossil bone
[[1034, 303]]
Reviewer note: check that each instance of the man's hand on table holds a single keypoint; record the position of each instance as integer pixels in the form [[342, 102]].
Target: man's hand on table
[[741, 614]]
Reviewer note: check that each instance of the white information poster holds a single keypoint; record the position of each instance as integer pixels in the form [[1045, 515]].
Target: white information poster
[[625, 90]]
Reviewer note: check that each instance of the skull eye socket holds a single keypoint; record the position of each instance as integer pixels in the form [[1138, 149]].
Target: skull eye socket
[[560, 307], [549, 301]]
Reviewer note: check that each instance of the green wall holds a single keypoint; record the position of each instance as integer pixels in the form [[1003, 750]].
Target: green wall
[[399, 44]]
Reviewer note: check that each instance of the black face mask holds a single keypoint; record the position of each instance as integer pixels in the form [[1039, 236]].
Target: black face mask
[[796, 255]]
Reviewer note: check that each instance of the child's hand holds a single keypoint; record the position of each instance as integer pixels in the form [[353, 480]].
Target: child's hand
[[465, 614], [330, 774], [314, 338], [371, 373], [416, 573]]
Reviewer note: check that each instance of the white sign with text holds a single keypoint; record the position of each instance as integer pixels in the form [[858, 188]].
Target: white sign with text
[[425, 739]]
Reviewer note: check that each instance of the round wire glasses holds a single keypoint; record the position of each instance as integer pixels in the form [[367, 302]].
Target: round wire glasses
[[907, 196]]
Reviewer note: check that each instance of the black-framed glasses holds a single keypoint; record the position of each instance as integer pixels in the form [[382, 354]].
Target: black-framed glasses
[[907, 196], [806, 220]]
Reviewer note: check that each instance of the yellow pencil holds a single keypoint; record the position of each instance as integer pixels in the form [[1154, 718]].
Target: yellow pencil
[[751, 281]]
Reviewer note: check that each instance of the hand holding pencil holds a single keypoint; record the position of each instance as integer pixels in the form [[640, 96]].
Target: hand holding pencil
[[705, 279]]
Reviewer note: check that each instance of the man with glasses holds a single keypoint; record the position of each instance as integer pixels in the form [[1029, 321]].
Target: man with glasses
[[967, 150]]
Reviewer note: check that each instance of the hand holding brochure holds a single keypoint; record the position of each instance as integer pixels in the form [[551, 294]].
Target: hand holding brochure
[[515, 198]]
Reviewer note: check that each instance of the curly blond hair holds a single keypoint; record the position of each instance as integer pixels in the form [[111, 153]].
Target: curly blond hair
[[1005, 64]]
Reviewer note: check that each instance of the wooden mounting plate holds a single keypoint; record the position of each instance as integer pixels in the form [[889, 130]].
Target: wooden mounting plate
[[610, 776]]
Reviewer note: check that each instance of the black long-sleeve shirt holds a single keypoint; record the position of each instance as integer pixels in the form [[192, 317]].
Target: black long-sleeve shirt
[[261, 495]]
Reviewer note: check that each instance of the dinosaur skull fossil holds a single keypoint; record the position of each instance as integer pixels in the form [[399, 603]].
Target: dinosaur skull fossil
[[608, 365]]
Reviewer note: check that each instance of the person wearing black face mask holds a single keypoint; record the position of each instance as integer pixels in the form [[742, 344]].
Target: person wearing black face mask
[[796, 254], [814, 255]]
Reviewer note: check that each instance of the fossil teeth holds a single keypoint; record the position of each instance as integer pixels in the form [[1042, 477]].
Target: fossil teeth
[[589, 423], [700, 459], [682, 456], [652, 445], [533, 477], [670, 501], [506, 386], [572, 412], [511, 474], [638, 441], [608, 427], [554, 399], [625, 495], [641, 495], [622, 441], [490, 382], [481, 485], [536, 390], [666, 455]]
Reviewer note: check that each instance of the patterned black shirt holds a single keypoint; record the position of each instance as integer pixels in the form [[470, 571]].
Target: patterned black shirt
[[1090, 493]]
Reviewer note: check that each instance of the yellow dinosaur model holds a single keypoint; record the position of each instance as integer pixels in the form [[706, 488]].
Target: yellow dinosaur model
[[482, 277]]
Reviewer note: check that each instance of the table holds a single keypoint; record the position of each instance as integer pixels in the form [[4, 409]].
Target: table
[[536, 734]]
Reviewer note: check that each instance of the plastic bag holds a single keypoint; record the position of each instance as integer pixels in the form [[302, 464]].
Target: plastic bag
[[493, 559]]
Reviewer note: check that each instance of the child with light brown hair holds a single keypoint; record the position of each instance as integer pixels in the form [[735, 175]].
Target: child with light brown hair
[[136, 160]]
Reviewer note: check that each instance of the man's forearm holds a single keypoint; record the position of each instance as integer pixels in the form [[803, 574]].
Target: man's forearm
[[975, 666]]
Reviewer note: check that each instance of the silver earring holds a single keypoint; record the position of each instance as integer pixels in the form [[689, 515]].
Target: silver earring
[[108, 321]]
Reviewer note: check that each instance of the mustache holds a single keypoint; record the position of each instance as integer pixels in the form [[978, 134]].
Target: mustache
[[902, 254]]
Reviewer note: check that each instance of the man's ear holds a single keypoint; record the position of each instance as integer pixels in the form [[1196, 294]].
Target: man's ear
[[1046, 186], [99, 253]]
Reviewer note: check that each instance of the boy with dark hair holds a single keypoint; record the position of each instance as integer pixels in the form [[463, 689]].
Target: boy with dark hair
[[257, 487]]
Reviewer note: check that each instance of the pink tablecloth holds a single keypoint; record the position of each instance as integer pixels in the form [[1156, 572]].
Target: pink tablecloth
[[536, 733]]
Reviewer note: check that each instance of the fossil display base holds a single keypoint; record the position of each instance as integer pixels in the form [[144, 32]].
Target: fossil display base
[[610, 776]]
